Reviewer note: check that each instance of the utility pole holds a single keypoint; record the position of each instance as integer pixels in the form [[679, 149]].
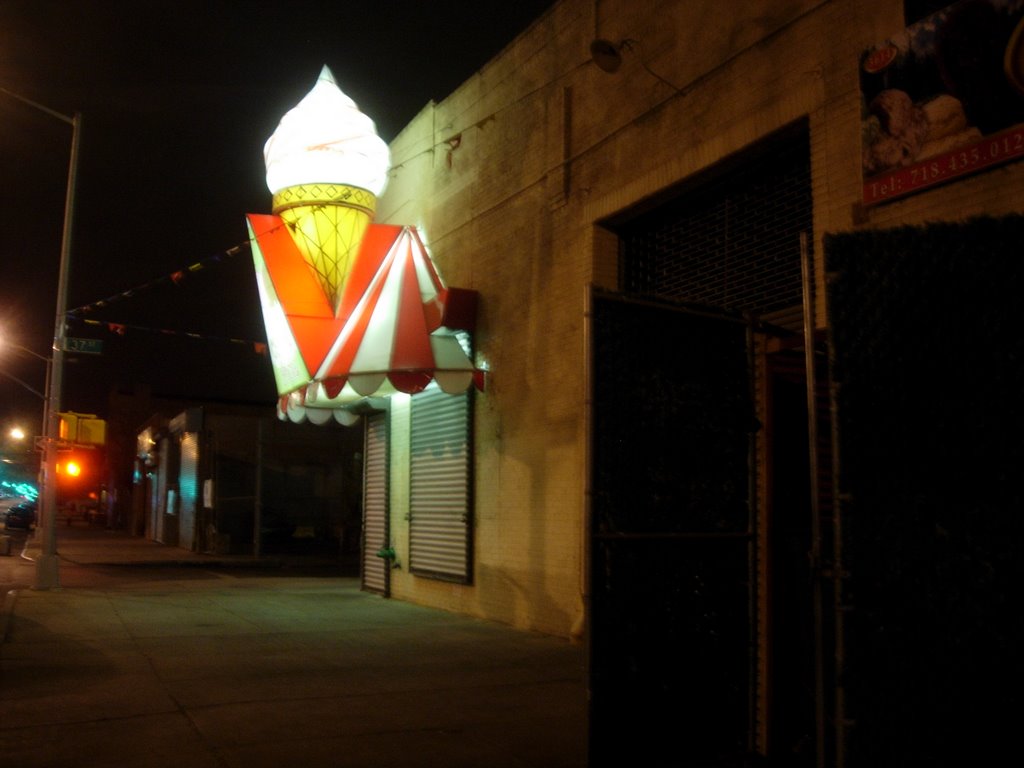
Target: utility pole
[[47, 571]]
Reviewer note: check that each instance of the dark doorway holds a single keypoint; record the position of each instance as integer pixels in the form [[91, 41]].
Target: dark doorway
[[789, 641], [689, 663], [670, 642]]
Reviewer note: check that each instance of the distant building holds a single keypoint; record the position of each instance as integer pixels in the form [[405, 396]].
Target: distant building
[[233, 479]]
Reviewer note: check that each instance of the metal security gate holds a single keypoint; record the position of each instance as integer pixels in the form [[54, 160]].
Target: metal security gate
[[671, 652], [685, 638], [928, 368], [440, 486], [376, 534]]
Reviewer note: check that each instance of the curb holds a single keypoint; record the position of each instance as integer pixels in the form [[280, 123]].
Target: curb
[[282, 565], [6, 612]]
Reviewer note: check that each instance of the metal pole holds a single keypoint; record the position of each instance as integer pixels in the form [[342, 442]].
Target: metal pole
[[47, 576], [807, 275], [46, 397], [47, 571], [753, 596], [579, 628]]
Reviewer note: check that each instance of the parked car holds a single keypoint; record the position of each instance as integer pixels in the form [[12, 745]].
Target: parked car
[[22, 515]]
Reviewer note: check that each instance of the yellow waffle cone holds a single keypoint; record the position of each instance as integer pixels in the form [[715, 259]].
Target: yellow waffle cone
[[327, 223]]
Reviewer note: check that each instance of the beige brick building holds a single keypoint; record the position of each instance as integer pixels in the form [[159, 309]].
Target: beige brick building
[[549, 183]]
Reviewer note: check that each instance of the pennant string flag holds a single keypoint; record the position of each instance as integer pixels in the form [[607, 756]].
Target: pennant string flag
[[176, 277], [122, 329]]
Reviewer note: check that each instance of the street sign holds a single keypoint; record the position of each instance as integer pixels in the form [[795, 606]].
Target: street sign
[[87, 346], [62, 445]]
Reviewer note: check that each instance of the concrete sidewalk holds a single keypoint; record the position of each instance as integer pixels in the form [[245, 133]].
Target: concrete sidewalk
[[205, 663]]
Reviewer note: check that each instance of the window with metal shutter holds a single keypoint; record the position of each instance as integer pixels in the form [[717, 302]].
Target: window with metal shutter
[[375, 505], [731, 238], [439, 504]]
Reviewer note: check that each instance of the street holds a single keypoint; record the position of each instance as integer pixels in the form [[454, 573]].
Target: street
[[15, 572]]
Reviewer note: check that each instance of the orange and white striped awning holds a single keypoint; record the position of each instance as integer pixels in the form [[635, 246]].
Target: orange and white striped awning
[[395, 329]]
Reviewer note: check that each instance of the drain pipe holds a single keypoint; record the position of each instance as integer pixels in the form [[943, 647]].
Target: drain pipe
[[578, 630], [807, 278]]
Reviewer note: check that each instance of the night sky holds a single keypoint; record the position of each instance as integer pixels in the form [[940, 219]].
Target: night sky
[[177, 99]]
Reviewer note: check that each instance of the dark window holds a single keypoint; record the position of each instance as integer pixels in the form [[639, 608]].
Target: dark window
[[730, 239]]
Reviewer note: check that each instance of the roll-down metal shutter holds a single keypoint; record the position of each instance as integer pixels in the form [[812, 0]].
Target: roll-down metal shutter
[[375, 504], [439, 541]]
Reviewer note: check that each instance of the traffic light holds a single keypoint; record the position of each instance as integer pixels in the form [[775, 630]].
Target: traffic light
[[77, 471], [83, 428]]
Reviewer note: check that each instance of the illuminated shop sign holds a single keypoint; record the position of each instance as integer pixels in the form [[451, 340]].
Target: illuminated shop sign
[[352, 309], [943, 99]]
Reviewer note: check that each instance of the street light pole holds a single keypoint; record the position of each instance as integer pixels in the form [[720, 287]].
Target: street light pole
[[47, 571]]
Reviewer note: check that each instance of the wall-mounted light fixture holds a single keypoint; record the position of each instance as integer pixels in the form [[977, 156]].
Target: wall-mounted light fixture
[[607, 55], [608, 58]]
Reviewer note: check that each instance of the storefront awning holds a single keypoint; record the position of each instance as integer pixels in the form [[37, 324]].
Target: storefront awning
[[392, 327]]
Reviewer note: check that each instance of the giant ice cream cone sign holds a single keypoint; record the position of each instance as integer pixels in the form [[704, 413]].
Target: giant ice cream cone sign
[[353, 309], [325, 168]]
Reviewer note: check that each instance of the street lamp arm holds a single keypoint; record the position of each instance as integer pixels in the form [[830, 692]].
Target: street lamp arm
[[47, 570], [26, 350], [41, 107], [31, 389]]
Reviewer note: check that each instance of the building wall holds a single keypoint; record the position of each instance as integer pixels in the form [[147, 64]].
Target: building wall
[[510, 177]]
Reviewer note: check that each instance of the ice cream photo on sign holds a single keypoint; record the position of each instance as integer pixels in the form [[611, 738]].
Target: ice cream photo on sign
[[326, 166]]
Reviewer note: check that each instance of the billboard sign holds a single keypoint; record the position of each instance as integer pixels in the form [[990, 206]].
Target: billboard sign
[[943, 99]]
